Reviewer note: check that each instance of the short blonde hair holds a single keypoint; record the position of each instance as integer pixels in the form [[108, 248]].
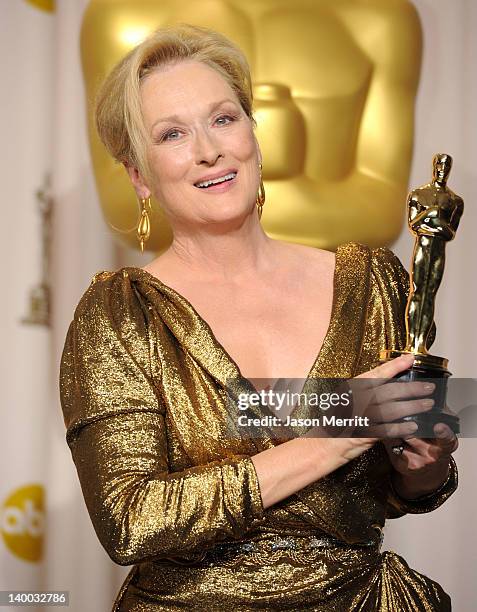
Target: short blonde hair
[[118, 114]]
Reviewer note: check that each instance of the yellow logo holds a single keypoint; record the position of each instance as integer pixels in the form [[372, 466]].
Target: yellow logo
[[22, 521]]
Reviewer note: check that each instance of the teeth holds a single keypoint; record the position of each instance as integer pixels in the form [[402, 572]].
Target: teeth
[[216, 181]]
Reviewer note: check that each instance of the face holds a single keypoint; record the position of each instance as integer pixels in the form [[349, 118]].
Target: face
[[197, 131], [442, 167]]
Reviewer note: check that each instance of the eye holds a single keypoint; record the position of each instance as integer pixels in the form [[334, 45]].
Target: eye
[[167, 135], [225, 119]]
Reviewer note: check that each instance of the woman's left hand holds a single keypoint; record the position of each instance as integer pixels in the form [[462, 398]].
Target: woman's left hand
[[424, 464]]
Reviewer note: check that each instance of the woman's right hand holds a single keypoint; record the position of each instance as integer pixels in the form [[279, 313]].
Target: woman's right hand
[[382, 402], [289, 467], [385, 401]]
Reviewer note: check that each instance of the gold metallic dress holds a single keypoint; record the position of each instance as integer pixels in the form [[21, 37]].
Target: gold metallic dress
[[143, 386]]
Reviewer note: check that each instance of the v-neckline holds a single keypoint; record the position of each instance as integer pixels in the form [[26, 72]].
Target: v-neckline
[[225, 353]]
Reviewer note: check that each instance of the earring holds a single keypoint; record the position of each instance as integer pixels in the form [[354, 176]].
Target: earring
[[144, 226], [260, 200]]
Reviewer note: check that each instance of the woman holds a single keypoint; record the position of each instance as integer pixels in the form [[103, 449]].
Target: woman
[[212, 520]]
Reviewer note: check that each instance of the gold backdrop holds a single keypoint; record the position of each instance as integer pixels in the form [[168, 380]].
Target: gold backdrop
[[334, 86]]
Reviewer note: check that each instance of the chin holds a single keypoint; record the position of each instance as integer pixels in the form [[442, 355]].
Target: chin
[[229, 215]]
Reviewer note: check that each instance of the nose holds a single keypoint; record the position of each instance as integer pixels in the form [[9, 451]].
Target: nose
[[207, 149]]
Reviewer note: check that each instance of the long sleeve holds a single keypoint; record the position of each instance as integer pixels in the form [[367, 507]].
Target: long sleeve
[[426, 503], [394, 286], [117, 435]]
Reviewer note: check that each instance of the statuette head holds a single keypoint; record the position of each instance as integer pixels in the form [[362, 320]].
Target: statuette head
[[441, 166]]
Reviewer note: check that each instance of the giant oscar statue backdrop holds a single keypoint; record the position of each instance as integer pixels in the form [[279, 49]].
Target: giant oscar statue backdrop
[[334, 89]]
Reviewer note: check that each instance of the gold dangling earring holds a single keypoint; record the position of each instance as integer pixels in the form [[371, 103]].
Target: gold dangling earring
[[260, 200], [144, 226]]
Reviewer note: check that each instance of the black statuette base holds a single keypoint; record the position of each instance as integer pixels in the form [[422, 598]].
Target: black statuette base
[[433, 371]]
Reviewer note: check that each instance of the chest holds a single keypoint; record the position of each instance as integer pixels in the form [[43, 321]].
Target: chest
[[440, 202], [270, 333]]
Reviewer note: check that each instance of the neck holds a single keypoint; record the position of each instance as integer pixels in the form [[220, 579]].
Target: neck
[[238, 252], [442, 183]]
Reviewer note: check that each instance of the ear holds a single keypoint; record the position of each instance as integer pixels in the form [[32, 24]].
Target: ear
[[139, 184], [259, 153]]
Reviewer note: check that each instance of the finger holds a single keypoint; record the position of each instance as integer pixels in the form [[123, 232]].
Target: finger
[[392, 430], [443, 432], [391, 411], [366, 383], [435, 447], [445, 437], [402, 390], [419, 445], [425, 450], [375, 392], [406, 457], [390, 368]]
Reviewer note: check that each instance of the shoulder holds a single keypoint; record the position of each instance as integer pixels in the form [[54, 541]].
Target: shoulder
[[384, 266], [110, 325], [389, 285], [387, 265], [392, 20], [105, 287], [378, 257], [106, 365], [379, 261], [110, 305], [396, 29]]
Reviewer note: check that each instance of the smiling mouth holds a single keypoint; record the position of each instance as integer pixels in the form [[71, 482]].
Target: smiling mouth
[[218, 181]]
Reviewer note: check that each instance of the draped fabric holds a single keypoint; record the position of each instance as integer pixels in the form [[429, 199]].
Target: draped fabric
[[143, 385]]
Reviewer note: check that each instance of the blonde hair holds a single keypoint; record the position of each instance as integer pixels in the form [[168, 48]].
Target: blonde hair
[[118, 115]]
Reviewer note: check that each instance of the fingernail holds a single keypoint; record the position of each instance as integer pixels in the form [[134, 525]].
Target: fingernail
[[429, 386]]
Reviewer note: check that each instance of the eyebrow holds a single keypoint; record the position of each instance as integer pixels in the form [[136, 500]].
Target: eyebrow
[[172, 118]]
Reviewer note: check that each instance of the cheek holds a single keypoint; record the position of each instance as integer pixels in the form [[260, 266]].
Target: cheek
[[169, 166], [244, 147]]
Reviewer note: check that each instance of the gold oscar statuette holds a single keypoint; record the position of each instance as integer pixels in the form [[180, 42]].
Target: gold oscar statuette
[[434, 212]]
